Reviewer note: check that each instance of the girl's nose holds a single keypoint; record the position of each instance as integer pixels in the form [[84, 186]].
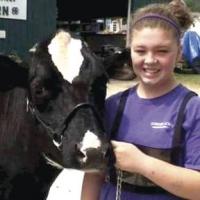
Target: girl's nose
[[150, 59]]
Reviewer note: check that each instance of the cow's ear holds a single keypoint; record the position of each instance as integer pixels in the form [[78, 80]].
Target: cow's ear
[[12, 73], [92, 66]]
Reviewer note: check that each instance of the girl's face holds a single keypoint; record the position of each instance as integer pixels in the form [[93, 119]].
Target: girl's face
[[154, 53]]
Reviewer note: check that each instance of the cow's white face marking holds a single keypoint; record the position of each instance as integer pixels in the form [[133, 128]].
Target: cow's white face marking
[[90, 140], [66, 54]]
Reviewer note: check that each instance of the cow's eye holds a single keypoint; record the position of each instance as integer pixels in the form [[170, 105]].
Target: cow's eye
[[40, 91]]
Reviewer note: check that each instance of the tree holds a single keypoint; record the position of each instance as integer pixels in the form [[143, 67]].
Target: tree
[[193, 5]]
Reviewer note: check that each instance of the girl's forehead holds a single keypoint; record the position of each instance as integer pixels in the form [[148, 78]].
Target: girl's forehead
[[152, 36]]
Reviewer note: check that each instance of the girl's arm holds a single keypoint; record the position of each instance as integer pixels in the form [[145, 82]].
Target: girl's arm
[[177, 180], [91, 187]]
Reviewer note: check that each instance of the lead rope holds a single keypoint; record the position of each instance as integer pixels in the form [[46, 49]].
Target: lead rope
[[119, 184]]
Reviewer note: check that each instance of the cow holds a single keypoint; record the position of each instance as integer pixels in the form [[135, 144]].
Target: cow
[[51, 111], [117, 62]]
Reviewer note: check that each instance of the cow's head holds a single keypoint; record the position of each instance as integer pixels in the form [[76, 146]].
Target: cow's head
[[67, 93]]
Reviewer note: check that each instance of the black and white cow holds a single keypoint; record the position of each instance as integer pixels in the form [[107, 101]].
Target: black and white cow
[[50, 116]]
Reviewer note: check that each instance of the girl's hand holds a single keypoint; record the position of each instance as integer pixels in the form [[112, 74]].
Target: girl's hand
[[128, 156]]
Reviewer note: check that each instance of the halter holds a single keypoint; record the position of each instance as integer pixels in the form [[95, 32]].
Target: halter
[[58, 135]]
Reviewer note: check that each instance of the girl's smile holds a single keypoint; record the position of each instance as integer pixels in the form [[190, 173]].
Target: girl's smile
[[154, 53]]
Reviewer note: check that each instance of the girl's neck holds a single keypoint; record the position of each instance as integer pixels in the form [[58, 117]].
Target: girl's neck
[[151, 91]]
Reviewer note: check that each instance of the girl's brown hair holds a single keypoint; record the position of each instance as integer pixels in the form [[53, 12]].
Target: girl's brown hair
[[174, 17]]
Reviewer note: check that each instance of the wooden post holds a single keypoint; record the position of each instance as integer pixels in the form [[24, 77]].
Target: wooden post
[[128, 23]]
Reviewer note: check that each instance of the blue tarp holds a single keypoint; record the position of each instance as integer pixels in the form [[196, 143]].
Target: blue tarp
[[191, 50]]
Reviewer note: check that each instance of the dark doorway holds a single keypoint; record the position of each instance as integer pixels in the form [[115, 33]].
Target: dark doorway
[[88, 9]]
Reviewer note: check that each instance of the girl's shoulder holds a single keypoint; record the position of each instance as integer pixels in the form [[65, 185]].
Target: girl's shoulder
[[194, 102], [195, 99], [193, 105]]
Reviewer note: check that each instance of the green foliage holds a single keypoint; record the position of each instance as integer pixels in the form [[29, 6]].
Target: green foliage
[[193, 5], [192, 81]]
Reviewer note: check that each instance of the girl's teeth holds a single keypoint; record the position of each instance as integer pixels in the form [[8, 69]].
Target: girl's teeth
[[151, 70]]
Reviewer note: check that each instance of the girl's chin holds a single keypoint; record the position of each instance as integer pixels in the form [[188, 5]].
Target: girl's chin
[[150, 81], [150, 76]]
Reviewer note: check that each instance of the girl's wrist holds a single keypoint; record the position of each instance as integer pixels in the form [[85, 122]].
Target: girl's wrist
[[146, 166]]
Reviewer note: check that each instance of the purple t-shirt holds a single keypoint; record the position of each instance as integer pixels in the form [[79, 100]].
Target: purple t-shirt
[[150, 123]]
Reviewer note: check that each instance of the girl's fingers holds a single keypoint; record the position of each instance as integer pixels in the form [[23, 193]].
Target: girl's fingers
[[114, 143]]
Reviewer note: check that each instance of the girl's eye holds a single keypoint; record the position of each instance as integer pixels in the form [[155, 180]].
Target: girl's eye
[[163, 51], [139, 51]]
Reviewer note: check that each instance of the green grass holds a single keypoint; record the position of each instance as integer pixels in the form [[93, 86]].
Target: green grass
[[193, 79], [190, 80]]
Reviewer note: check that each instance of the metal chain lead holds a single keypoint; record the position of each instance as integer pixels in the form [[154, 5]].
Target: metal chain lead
[[119, 184]]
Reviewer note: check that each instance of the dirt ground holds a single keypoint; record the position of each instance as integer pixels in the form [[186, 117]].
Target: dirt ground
[[68, 184], [115, 85]]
